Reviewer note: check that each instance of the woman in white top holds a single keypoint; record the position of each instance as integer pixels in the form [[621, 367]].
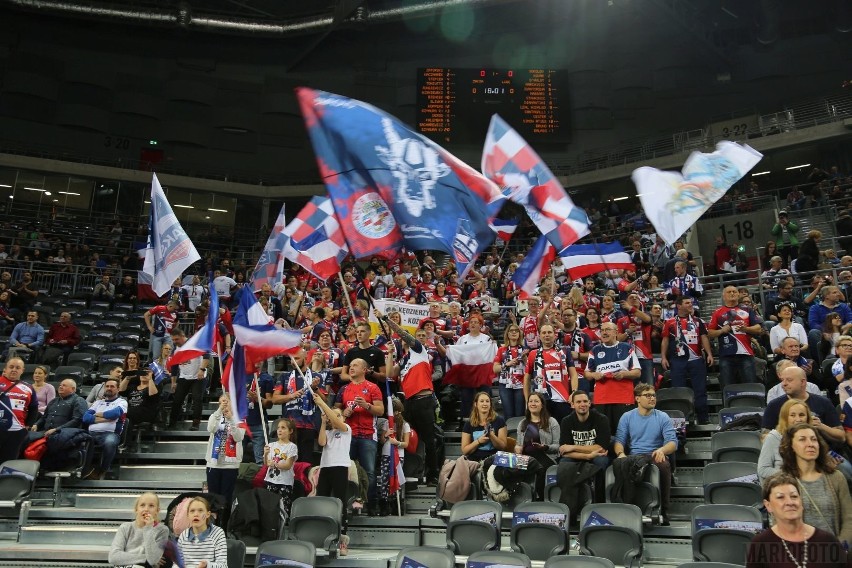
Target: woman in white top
[[399, 438], [224, 451], [334, 436], [787, 328]]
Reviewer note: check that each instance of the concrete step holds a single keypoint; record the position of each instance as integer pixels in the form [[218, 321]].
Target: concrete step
[[69, 534], [120, 501], [175, 473]]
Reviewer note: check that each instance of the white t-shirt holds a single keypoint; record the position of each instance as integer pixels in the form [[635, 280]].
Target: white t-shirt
[[104, 405], [279, 451], [335, 453], [223, 285], [406, 429]]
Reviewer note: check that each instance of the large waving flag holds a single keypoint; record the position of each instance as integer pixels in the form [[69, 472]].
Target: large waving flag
[[391, 187], [473, 364], [257, 335], [535, 266], [270, 265], [583, 260], [673, 201], [315, 240], [169, 251], [203, 341], [510, 162]]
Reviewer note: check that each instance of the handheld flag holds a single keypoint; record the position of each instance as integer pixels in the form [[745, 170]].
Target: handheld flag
[[535, 266], [510, 162], [315, 240], [391, 187], [256, 334], [583, 260], [203, 340], [270, 265], [504, 228], [674, 201], [169, 251], [396, 476], [473, 364], [234, 381]]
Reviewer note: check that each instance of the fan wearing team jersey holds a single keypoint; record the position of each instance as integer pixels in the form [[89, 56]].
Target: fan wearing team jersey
[[550, 372], [577, 342], [635, 328], [732, 324], [686, 351], [531, 322], [613, 367]]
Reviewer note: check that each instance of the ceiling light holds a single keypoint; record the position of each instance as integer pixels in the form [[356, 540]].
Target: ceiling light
[[760, 173], [67, 193], [218, 210], [620, 198], [56, 201], [798, 167], [4, 185], [34, 189], [184, 206]]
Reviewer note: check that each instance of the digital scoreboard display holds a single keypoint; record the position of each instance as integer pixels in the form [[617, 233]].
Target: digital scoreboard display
[[455, 105]]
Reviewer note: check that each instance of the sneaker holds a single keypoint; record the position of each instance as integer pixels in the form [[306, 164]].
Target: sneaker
[[664, 519], [343, 545], [194, 427]]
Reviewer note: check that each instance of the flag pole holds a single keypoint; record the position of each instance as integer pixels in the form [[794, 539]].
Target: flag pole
[[256, 386], [346, 295]]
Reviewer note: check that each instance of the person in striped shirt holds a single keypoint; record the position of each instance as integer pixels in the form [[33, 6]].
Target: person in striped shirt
[[202, 545]]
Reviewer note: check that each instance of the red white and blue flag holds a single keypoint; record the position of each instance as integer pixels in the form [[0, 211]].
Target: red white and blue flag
[[396, 477], [535, 266], [391, 186], [315, 241], [257, 335], [512, 164], [234, 381], [270, 265], [169, 251], [504, 228], [203, 341], [583, 260]]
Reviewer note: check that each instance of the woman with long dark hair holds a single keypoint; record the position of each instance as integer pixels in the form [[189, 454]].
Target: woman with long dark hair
[[538, 436]]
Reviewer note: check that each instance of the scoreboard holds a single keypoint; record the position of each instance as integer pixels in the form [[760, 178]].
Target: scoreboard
[[455, 105]]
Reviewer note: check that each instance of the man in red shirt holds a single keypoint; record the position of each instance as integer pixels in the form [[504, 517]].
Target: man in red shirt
[[550, 372], [18, 410], [62, 338], [362, 402], [160, 321], [635, 328]]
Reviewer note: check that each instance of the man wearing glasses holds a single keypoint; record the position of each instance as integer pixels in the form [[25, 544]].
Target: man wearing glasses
[[613, 367], [843, 350], [648, 431]]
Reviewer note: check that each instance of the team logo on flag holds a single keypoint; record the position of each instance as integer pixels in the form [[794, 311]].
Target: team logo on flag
[[372, 217], [180, 250], [465, 244]]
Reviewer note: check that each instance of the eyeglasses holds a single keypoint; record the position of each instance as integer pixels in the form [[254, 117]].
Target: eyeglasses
[[649, 395], [845, 345]]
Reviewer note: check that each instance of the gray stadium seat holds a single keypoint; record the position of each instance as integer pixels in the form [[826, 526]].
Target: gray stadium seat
[[273, 550], [744, 395], [317, 520], [499, 558], [719, 489], [430, 556], [677, 398], [578, 562], [236, 552], [466, 535], [540, 540], [735, 446], [15, 488], [621, 542], [722, 544]]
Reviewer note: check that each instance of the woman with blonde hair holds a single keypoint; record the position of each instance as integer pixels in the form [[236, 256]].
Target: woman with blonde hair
[[141, 541], [793, 412], [509, 367]]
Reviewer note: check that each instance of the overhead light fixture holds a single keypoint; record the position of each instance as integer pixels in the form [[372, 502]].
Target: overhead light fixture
[[759, 173], [184, 206], [56, 201], [67, 193], [47, 193], [4, 185], [145, 201], [798, 167], [35, 189], [234, 130], [207, 216], [620, 198], [218, 210]]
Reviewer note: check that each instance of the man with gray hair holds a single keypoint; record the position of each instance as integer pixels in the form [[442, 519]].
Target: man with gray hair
[[772, 277], [64, 411], [684, 284]]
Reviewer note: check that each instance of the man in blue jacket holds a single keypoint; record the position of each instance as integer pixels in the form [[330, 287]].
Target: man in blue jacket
[[26, 338], [831, 303]]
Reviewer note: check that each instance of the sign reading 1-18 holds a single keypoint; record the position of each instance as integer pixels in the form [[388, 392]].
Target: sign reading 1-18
[[744, 230]]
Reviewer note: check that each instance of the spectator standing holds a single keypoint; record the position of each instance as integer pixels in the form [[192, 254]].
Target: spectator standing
[[20, 409], [279, 457], [509, 367], [635, 328], [786, 238], [732, 324], [335, 437], [224, 451], [62, 338], [366, 351], [809, 253], [259, 395], [187, 377], [361, 402], [294, 391], [685, 349], [160, 321], [26, 338], [549, 371], [646, 430], [105, 421], [613, 367]]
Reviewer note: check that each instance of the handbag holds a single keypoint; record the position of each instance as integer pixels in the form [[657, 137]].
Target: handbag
[[36, 450]]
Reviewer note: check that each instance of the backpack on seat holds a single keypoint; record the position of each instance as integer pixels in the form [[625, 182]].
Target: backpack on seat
[[454, 479]]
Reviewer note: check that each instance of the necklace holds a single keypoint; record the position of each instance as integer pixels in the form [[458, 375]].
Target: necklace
[[804, 563]]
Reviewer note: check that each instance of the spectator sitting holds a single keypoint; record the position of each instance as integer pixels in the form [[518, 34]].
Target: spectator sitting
[[143, 400], [44, 390], [126, 290], [6, 317], [104, 290], [787, 328], [777, 391], [792, 412], [646, 430], [485, 433], [62, 338], [105, 420], [140, 542], [841, 369], [97, 392], [828, 505], [64, 411], [26, 338]]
